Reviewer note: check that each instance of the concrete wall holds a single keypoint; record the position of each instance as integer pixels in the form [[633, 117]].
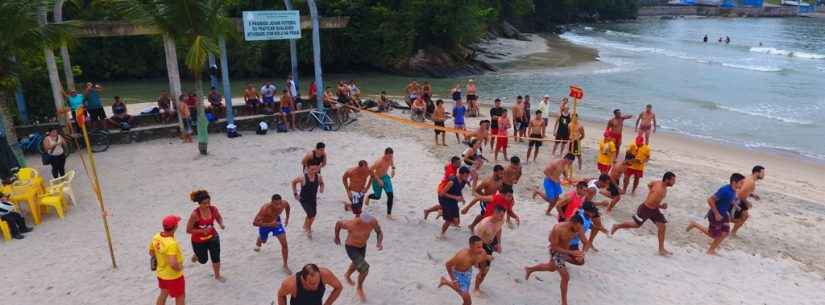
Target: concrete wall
[[716, 11]]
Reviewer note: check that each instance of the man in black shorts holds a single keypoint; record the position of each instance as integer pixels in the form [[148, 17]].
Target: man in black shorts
[[449, 196], [536, 132], [359, 229], [591, 208], [650, 209]]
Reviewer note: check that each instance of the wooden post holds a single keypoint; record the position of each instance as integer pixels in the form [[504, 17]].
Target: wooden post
[[96, 185]]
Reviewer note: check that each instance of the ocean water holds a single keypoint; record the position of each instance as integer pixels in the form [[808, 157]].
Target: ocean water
[[765, 96]]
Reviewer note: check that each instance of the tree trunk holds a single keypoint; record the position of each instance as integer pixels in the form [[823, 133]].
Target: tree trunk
[[203, 125], [316, 51], [8, 128], [172, 70], [64, 50], [54, 78]]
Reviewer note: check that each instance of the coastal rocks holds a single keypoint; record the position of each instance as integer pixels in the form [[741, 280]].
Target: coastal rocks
[[438, 63]]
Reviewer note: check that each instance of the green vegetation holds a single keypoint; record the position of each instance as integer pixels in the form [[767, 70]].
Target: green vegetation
[[381, 35]]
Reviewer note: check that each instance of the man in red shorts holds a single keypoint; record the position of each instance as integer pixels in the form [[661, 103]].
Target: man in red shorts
[[615, 125], [651, 209], [167, 260], [501, 199], [641, 154]]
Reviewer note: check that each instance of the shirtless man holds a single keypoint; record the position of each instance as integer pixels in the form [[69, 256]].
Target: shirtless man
[[646, 123], [536, 129], [268, 221], [512, 172], [590, 207], [489, 230], [460, 268], [561, 252], [316, 156], [719, 213], [488, 187], [308, 286], [359, 229], [615, 126], [356, 181], [618, 170], [650, 209], [552, 181], [518, 116], [252, 98], [740, 214], [482, 133], [381, 176], [472, 98]]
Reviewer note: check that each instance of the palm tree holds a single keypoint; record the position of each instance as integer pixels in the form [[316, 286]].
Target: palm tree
[[22, 35], [196, 23]]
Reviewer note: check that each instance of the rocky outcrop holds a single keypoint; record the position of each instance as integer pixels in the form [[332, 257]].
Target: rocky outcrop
[[438, 63]]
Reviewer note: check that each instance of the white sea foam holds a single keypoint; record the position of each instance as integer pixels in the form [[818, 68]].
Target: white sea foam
[[753, 67], [765, 114], [781, 52]]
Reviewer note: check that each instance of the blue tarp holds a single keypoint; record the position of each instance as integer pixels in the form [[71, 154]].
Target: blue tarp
[[753, 3]]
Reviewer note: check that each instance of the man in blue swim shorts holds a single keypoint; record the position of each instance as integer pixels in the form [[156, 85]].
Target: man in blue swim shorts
[[460, 268], [552, 181], [268, 221]]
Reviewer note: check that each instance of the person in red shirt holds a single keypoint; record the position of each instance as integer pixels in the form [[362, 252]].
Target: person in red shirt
[[201, 225], [503, 198], [571, 202], [313, 92], [451, 169]]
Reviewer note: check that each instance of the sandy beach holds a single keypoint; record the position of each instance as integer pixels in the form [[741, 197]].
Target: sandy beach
[[66, 261]]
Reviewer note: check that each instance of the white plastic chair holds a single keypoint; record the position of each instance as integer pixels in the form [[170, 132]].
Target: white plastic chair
[[66, 180]]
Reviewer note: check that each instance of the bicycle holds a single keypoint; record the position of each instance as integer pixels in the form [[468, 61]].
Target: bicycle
[[320, 118]]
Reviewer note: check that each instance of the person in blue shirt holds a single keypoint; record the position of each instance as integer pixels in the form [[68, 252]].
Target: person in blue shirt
[[75, 101], [458, 118], [93, 104], [719, 214]]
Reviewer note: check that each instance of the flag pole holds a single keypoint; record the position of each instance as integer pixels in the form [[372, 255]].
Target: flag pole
[[81, 121]]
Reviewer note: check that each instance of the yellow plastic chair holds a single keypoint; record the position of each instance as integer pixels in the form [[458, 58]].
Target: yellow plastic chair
[[54, 199], [28, 192], [27, 173], [66, 180], [4, 228]]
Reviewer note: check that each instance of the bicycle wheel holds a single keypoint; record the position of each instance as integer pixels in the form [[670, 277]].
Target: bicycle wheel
[[335, 121], [100, 140], [307, 123]]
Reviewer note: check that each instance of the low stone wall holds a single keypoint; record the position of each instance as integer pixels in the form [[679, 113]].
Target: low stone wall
[[777, 11]]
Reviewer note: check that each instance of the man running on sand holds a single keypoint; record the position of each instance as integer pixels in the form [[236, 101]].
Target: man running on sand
[[512, 172], [315, 156], [615, 126], [720, 204], [561, 252], [381, 180], [268, 221], [616, 172], [488, 187], [448, 198], [450, 170], [591, 208], [308, 286], [535, 130], [356, 181], [501, 199], [646, 123], [552, 181], [460, 268], [641, 153], [570, 202], [311, 183], [650, 209], [740, 214], [489, 230], [359, 228]]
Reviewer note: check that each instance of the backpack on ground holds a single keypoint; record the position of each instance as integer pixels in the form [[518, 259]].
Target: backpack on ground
[[263, 127]]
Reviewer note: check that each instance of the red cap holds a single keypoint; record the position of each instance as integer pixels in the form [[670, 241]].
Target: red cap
[[640, 140], [170, 221], [608, 134]]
